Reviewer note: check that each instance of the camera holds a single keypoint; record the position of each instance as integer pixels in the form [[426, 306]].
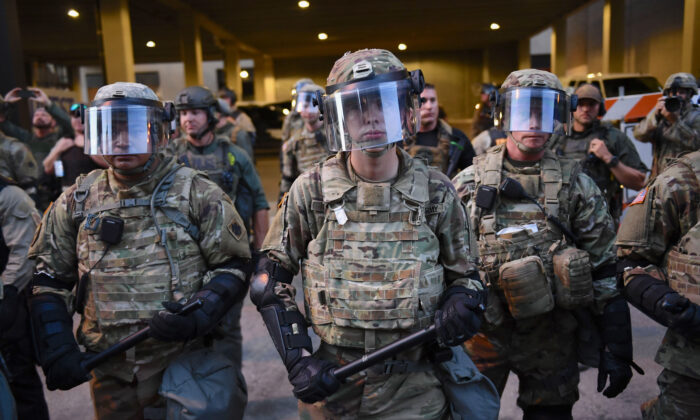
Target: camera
[[672, 103]]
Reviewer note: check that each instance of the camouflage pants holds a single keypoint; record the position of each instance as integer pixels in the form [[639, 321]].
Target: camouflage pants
[[375, 395], [116, 399], [541, 350], [679, 398]]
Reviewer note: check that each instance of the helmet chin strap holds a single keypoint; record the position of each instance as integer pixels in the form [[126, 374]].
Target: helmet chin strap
[[378, 153], [527, 149]]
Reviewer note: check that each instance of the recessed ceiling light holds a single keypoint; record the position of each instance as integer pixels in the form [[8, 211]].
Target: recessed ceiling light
[[285, 111], [304, 4], [402, 46], [323, 36], [73, 13], [150, 44], [495, 26], [244, 74]]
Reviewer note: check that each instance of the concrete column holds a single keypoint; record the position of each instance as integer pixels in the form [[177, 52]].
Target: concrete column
[[232, 68], [690, 57], [264, 79], [613, 36], [191, 49], [116, 41], [559, 47], [524, 61]]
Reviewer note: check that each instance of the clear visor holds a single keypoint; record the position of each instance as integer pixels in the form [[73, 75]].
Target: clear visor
[[535, 110], [360, 117], [304, 103], [123, 129]]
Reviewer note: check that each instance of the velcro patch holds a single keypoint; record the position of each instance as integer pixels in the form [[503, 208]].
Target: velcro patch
[[639, 199], [235, 229]]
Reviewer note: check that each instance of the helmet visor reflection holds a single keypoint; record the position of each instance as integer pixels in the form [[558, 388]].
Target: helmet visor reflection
[[304, 103], [535, 110], [122, 129]]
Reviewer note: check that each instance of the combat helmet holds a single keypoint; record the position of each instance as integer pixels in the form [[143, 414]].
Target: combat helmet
[[681, 80], [198, 97], [126, 119], [306, 99], [370, 101]]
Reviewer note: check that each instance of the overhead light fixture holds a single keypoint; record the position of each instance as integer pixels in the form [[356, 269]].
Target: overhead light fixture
[[244, 74], [73, 13], [150, 44], [495, 26], [304, 4], [323, 36], [285, 111], [402, 47], [590, 75]]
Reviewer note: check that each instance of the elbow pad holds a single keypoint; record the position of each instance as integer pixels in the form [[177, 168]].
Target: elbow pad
[[52, 328]]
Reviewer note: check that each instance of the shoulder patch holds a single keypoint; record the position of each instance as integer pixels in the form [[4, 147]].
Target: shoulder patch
[[235, 229], [639, 199]]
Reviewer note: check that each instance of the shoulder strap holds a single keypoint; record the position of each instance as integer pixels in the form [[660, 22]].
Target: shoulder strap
[[552, 180], [81, 193]]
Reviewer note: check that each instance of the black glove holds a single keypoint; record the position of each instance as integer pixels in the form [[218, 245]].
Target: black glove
[[458, 319], [686, 315], [9, 305], [218, 296], [312, 379], [616, 357], [66, 372], [619, 372]]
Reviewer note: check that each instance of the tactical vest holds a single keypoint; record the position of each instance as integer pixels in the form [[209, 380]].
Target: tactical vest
[[682, 262], [438, 155], [372, 272], [129, 281], [309, 149], [218, 166], [550, 186]]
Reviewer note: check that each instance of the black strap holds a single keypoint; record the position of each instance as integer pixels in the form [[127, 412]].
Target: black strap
[[43, 279]]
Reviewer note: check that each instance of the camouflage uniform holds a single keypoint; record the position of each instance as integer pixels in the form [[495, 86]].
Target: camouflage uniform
[[292, 125], [661, 233], [438, 155], [576, 147], [237, 136], [671, 140], [127, 282], [300, 153], [409, 239], [242, 120], [525, 331], [18, 220], [18, 164]]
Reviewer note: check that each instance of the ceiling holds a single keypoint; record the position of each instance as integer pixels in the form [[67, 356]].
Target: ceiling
[[281, 29]]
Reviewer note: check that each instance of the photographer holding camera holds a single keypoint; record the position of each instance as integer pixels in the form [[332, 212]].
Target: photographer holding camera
[[673, 127]]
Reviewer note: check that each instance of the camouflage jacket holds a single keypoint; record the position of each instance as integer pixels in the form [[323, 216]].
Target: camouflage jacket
[[17, 163], [370, 252], [242, 120], [127, 281], [18, 220], [660, 230], [237, 136], [669, 140], [293, 124], [580, 207], [300, 153], [576, 147]]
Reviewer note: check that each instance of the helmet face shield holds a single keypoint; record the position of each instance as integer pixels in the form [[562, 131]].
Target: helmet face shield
[[304, 103], [123, 129], [535, 109], [369, 114]]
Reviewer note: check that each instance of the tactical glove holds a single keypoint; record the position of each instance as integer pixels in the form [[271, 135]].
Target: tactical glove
[[218, 296], [9, 305], [67, 372], [312, 379], [685, 315], [619, 372], [458, 318], [616, 356]]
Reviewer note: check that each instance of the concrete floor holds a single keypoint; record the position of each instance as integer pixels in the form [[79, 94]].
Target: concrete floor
[[270, 394]]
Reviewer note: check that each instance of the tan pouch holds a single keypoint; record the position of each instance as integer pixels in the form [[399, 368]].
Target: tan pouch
[[525, 287], [573, 281]]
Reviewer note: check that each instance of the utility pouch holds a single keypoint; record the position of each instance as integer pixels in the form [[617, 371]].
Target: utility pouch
[[525, 287], [494, 312], [485, 197], [572, 278]]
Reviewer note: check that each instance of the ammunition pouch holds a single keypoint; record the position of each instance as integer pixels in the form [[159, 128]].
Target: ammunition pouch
[[526, 288], [572, 278]]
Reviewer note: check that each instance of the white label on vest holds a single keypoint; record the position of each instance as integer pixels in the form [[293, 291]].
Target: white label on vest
[[340, 215]]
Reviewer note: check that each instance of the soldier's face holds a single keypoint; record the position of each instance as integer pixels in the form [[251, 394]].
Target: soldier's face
[[530, 139], [366, 124], [309, 113], [193, 121], [125, 161], [586, 111], [429, 108]]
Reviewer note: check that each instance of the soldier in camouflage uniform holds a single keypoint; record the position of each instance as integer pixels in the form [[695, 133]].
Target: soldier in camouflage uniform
[[239, 117], [145, 232], [382, 244], [606, 154], [438, 143], [538, 272], [18, 164], [293, 123], [308, 147], [658, 247], [672, 133], [226, 128], [18, 221]]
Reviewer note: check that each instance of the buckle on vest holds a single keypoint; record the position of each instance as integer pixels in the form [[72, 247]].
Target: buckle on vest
[[92, 222], [416, 216], [127, 202]]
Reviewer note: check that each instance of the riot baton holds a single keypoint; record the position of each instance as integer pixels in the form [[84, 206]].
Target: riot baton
[[132, 340], [390, 350]]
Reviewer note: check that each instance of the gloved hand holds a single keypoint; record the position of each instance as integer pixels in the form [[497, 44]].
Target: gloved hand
[[685, 317], [168, 325], [66, 372], [619, 372], [312, 379], [8, 307], [458, 319]]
